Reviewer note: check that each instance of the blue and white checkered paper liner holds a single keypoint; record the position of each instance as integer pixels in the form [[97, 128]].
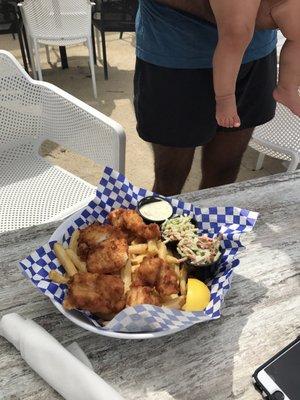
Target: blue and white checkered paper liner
[[115, 191]]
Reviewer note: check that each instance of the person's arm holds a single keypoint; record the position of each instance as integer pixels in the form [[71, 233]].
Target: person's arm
[[199, 8]]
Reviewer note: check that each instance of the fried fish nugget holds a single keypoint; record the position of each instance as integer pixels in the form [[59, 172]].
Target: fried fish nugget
[[134, 223], [130, 220], [143, 295], [91, 236], [115, 217], [167, 282], [96, 293], [109, 257], [148, 272], [151, 231]]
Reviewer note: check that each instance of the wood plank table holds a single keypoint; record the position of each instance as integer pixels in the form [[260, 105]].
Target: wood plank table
[[210, 361]]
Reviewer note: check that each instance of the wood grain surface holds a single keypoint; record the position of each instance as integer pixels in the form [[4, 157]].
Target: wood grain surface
[[210, 361]]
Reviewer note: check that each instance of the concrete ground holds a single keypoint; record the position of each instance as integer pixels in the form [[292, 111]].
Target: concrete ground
[[115, 100]]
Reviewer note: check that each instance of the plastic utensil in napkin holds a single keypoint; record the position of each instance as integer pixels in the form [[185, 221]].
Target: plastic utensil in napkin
[[56, 365]]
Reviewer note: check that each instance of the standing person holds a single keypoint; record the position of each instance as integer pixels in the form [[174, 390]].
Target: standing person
[[174, 95]]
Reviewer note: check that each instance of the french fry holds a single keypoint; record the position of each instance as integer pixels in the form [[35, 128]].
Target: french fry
[[64, 259], [137, 240], [172, 260], [166, 299], [177, 270], [176, 303], [169, 252], [162, 250], [134, 268], [55, 276], [137, 259], [152, 247], [80, 265], [126, 276], [74, 241], [138, 248], [183, 280]]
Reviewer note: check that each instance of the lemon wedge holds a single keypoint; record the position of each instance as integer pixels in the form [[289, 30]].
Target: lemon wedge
[[197, 297]]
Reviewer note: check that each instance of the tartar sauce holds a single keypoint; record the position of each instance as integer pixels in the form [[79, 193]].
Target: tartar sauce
[[157, 210]]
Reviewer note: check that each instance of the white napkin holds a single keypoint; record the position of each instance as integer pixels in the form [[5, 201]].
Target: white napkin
[[56, 365], [77, 352]]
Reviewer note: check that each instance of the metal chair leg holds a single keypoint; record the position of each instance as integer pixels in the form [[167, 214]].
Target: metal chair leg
[[104, 55], [125, 6], [26, 45], [92, 65], [22, 50], [94, 47], [63, 57]]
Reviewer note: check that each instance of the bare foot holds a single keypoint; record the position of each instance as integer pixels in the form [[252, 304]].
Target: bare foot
[[289, 98], [226, 111]]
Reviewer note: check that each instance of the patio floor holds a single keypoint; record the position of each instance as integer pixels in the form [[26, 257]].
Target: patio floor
[[115, 100]]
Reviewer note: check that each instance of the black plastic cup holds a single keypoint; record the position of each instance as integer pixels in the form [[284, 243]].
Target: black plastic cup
[[152, 199], [204, 272]]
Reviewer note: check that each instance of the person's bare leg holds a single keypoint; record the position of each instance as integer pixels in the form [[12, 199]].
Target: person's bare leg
[[172, 166], [221, 158], [236, 22], [287, 16]]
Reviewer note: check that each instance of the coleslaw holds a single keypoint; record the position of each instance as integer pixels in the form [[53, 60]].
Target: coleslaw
[[198, 249]]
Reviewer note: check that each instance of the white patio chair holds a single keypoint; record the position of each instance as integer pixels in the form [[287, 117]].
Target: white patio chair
[[58, 23], [33, 191], [279, 138]]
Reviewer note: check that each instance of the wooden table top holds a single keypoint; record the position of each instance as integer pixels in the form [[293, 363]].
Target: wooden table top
[[210, 361]]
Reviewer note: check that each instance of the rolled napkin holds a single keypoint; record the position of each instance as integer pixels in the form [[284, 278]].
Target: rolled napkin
[[77, 351], [56, 365]]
